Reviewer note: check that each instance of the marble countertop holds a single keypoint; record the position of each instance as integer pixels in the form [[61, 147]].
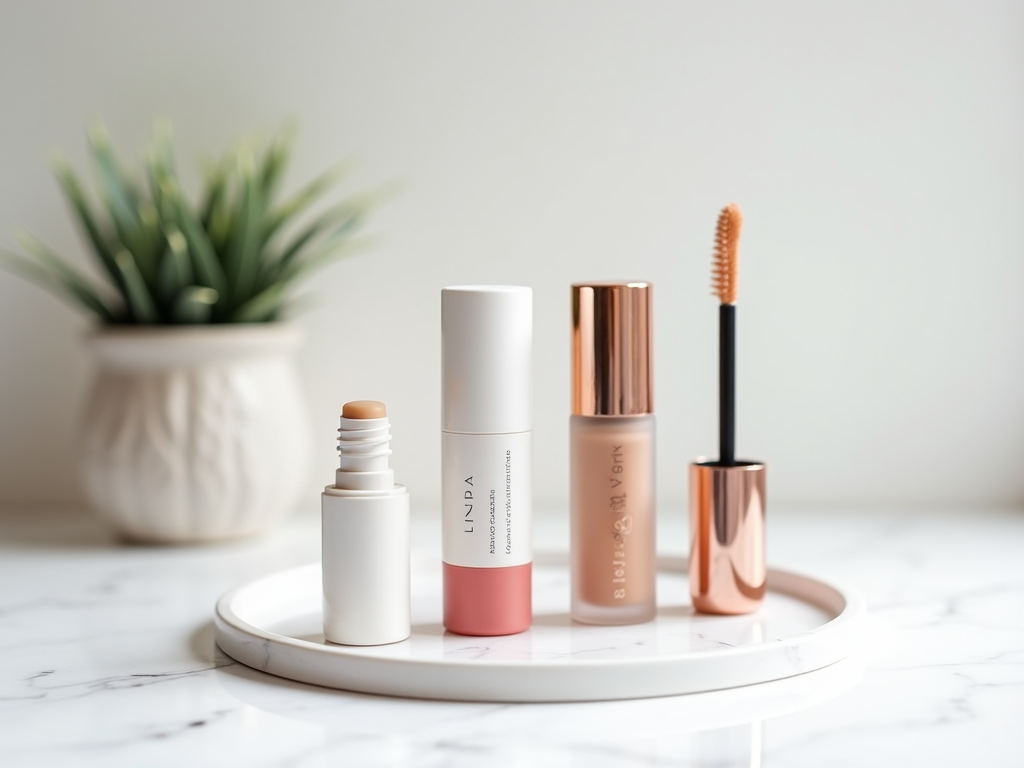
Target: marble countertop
[[108, 659]]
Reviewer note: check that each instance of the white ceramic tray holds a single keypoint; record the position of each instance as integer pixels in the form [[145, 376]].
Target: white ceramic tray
[[273, 624]]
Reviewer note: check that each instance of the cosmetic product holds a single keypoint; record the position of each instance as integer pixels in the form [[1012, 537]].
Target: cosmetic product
[[611, 447], [727, 496], [486, 483], [365, 535]]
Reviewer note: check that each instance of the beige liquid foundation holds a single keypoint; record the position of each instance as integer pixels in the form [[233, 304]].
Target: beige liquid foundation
[[611, 438]]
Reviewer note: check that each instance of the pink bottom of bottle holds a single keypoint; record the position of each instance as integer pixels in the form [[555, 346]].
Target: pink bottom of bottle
[[488, 601]]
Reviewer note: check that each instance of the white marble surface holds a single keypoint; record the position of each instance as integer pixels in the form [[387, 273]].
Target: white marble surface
[[108, 659]]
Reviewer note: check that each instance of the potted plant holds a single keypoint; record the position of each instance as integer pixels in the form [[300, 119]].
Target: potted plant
[[195, 427]]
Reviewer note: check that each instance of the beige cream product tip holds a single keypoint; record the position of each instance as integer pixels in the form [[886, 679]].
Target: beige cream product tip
[[364, 409]]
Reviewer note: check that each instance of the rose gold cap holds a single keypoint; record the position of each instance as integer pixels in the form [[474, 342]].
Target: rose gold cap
[[611, 349], [727, 513]]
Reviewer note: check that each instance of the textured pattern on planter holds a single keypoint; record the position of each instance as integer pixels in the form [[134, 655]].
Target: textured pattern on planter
[[189, 452]]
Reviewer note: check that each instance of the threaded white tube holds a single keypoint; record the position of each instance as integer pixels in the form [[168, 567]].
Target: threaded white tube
[[364, 447], [365, 541]]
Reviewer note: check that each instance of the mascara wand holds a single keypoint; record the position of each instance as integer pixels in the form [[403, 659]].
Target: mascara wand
[[728, 574], [724, 274]]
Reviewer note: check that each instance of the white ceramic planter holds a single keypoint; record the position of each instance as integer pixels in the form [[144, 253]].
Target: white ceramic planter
[[194, 434]]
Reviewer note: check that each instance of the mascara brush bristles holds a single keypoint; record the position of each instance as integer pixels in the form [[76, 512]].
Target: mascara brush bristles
[[725, 264]]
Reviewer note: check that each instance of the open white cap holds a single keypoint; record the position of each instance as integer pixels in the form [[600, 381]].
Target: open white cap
[[486, 359]]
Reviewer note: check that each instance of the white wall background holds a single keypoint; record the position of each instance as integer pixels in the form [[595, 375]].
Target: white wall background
[[877, 149]]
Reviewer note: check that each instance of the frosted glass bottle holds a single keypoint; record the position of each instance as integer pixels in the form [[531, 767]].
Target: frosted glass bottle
[[611, 447], [612, 518]]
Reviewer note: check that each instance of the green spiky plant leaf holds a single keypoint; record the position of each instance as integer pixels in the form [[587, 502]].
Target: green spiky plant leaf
[[234, 257]]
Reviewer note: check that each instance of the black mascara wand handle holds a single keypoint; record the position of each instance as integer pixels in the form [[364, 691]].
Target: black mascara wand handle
[[727, 384]]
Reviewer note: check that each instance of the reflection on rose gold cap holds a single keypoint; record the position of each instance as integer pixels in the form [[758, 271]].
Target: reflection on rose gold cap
[[364, 409], [611, 349], [727, 514]]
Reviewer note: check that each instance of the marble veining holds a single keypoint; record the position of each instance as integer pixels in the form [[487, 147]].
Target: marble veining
[[108, 659]]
